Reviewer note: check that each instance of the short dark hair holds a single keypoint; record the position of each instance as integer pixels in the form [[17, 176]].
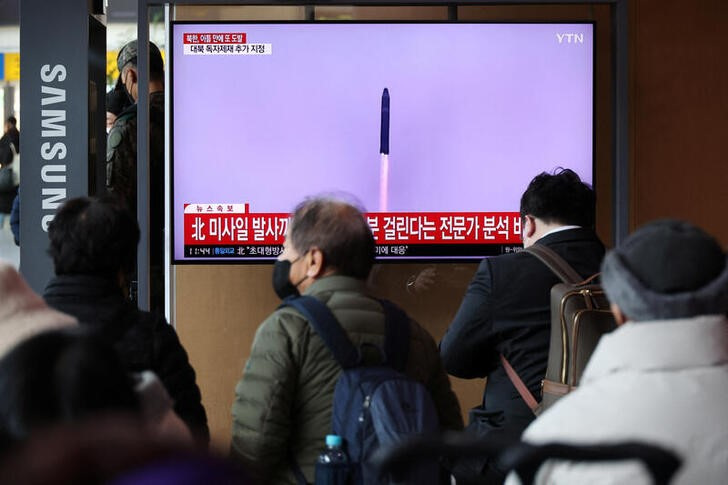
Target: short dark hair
[[560, 198], [91, 235], [339, 230], [11, 119], [61, 376]]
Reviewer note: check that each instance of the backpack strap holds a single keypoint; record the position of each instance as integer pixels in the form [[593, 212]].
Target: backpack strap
[[397, 335], [296, 469], [324, 323], [327, 327], [519, 384], [556, 263]]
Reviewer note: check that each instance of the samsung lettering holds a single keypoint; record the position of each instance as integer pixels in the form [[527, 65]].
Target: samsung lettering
[[53, 151]]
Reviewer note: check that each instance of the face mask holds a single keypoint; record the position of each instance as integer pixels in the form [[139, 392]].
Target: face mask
[[121, 86], [128, 95], [281, 279]]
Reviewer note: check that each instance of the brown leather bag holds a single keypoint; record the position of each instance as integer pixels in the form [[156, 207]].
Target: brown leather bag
[[580, 315]]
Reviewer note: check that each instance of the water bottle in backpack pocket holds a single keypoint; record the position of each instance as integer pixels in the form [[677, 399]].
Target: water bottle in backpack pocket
[[332, 466], [374, 406]]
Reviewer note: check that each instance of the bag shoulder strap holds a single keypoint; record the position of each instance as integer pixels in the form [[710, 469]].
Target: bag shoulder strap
[[519, 385], [327, 327], [555, 263], [397, 335], [296, 469], [324, 323]]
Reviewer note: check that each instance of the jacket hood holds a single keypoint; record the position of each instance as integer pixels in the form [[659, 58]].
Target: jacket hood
[[22, 312]]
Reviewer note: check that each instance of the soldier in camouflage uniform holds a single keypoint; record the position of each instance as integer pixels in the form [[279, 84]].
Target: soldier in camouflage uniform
[[121, 155]]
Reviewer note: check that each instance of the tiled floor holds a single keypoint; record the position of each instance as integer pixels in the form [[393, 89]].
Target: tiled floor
[[8, 250]]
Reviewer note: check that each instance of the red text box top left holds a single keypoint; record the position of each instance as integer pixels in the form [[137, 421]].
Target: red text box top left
[[215, 38]]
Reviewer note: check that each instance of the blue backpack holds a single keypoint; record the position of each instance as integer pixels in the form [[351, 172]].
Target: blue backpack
[[375, 406]]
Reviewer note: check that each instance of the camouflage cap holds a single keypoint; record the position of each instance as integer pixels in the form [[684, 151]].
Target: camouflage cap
[[128, 54]]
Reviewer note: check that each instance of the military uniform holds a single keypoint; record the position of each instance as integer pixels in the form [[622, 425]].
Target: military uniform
[[121, 153], [121, 164], [121, 178]]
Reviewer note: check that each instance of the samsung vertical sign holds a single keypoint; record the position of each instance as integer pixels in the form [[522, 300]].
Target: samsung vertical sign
[[53, 150], [58, 79]]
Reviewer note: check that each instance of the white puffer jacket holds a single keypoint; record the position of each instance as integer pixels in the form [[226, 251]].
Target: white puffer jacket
[[663, 382]]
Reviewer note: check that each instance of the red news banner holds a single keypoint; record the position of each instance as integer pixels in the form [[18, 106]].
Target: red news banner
[[234, 225], [215, 38]]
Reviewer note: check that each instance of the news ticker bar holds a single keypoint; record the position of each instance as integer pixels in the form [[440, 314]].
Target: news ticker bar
[[383, 251]]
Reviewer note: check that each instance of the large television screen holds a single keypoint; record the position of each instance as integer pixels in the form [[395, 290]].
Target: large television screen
[[435, 128]]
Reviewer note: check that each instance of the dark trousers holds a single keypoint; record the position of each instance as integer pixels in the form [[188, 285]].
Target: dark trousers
[[497, 429]]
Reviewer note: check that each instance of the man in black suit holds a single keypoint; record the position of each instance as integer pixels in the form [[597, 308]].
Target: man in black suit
[[506, 309]]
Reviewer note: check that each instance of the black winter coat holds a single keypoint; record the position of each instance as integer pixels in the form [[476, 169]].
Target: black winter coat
[[144, 340]]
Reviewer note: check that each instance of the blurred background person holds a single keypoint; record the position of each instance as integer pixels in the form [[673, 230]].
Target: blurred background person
[[9, 167], [11, 136], [93, 244], [60, 382], [22, 312], [15, 219], [60, 377]]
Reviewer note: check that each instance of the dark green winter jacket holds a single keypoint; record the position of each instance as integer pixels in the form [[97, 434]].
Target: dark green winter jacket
[[283, 402]]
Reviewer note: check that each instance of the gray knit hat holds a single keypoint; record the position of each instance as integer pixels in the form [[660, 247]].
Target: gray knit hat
[[667, 269]]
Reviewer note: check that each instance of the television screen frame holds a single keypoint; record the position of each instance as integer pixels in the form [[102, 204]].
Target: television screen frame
[[475, 252]]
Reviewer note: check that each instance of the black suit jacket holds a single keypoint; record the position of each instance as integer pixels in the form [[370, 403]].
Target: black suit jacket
[[506, 309]]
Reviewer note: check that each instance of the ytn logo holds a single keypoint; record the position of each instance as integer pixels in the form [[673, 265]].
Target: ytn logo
[[570, 38]]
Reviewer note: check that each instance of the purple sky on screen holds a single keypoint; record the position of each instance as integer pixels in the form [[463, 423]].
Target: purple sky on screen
[[476, 111]]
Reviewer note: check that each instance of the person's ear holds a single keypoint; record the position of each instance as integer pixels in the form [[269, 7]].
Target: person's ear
[[529, 226], [131, 75], [619, 317], [315, 263]]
